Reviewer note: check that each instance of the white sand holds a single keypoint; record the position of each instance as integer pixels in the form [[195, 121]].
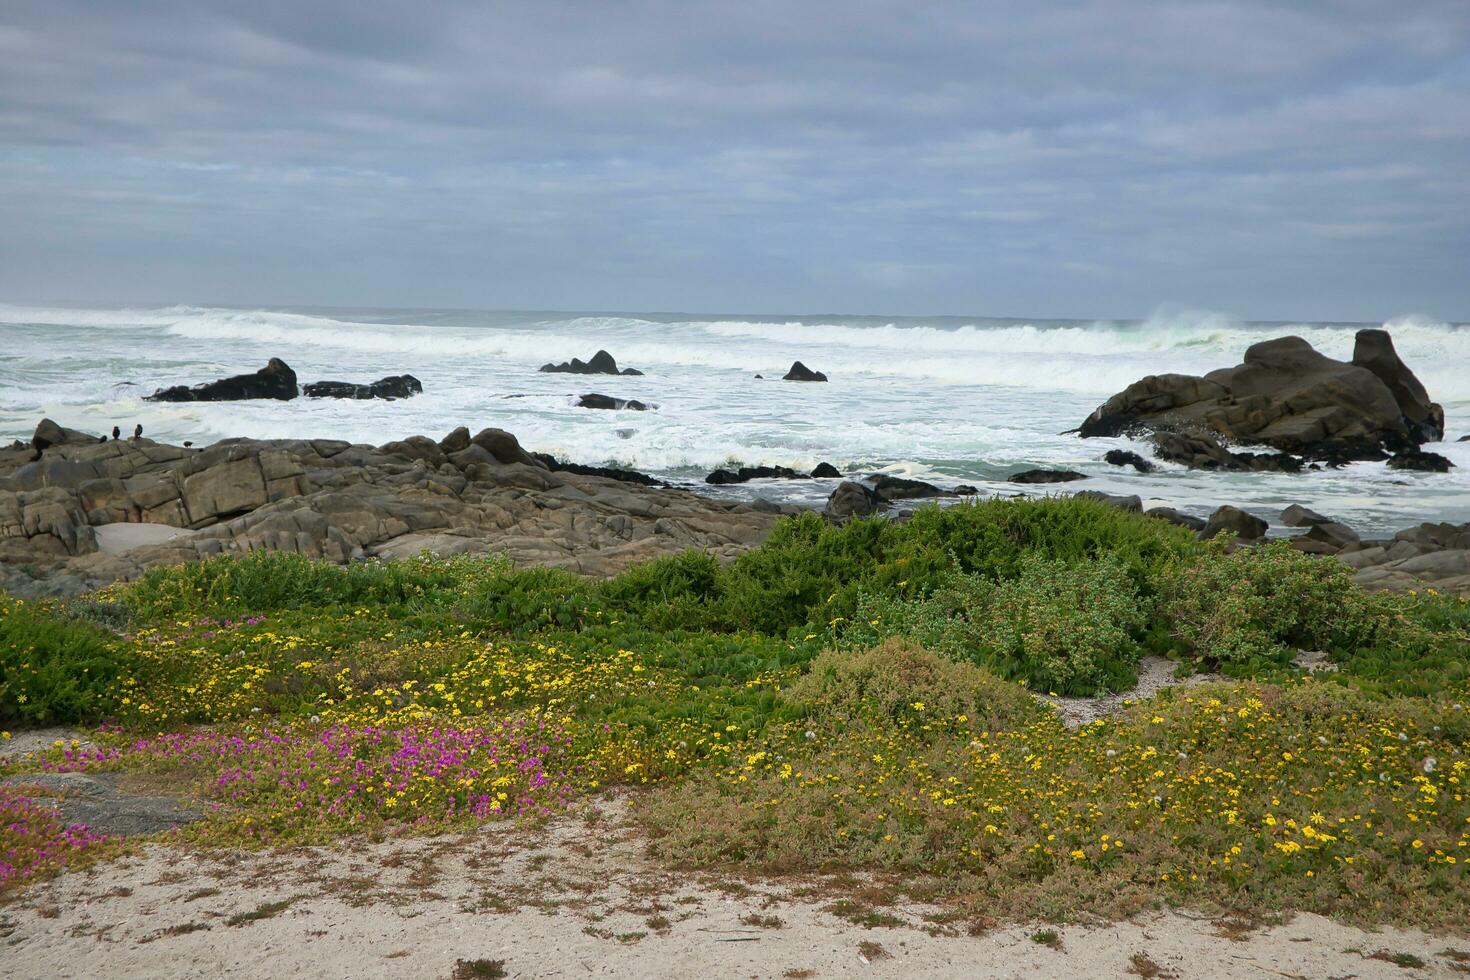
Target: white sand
[[574, 900], [114, 539]]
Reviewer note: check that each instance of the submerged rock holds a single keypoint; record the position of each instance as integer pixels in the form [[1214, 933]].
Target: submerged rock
[[1426, 462], [1123, 457], [275, 380], [393, 387], [601, 363], [595, 400], [898, 488], [826, 471], [1045, 476], [724, 477]]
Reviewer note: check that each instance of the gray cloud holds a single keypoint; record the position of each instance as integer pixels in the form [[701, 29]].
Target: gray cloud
[[1272, 160]]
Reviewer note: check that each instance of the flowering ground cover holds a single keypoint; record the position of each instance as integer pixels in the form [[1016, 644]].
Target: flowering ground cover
[[841, 698]]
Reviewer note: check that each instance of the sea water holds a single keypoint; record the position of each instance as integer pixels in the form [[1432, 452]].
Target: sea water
[[947, 399]]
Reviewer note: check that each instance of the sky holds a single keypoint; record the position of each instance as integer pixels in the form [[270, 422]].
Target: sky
[[1271, 160]]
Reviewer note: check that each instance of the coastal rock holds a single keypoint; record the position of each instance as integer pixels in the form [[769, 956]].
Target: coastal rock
[[504, 447], [800, 372], [890, 488], [456, 441], [1421, 460], [49, 434], [1285, 395], [601, 363], [826, 471], [607, 402], [1176, 517], [606, 472], [275, 380], [1298, 516], [1332, 535], [1045, 476], [724, 477], [390, 388], [1131, 503], [1373, 349], [853, 500], [1246, 527], [1123, 457]]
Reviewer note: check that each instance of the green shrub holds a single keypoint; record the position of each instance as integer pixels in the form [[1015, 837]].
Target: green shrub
[[1255, 607], [52, 670], [888, 679], [524, 601], [1065, 627], [667, 594]]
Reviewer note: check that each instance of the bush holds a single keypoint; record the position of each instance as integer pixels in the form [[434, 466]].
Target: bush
[[1058, 626], [1255, 607], [54, 671], [887, 680]]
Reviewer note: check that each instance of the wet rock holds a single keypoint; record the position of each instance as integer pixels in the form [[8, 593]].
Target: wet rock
[[275, 380], [1245, 526], [1045, 476], [606, 472], [390, 388], [1123, 457], [1373, 349], [1131, 503], [595, 400], [800, 372], [1425, 462], [826, 471], [1298, 516], [601, 363], [724, 477], [890, 488]]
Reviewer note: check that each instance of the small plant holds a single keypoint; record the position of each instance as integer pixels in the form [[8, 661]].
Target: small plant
[[762, 921], [479, 969], [1406, 961], [871, 952], [266, 911], [1140, 965], [1047, 937]]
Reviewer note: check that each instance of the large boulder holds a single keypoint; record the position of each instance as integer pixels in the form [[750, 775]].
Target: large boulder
[[601, 363], [853, 500], [505, 448], [1373, 349], [610, 403], [49, 434], [800, 372], [275, 380], [1420, 460], [1286, 395], [898, 488], [1247, 527], [1045, 476], [390, 388]]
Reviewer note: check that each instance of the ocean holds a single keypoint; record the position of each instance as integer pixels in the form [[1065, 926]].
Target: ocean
[[946, 399]]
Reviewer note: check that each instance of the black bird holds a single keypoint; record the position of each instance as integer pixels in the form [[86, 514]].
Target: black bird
[[187, 444], [138, 431], [116, 432]]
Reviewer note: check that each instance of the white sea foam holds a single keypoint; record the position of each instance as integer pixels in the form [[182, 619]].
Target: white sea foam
[[950, 399]]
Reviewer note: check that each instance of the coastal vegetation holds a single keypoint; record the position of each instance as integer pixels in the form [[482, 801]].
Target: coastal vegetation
[[866, 697]]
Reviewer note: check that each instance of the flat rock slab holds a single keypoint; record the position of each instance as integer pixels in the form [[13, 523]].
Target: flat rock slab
[[114, 539], [103, 803]]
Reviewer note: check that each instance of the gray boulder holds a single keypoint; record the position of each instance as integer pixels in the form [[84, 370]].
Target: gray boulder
[[1246, 527]]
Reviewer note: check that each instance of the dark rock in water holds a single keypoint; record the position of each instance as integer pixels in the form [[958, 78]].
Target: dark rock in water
[[1204, 452], [826, 471], [1045, 476], [595, 400], [1247, 527], [1420, 460], [853, 500], [1176, 517], [1132, 503], [602, 363], [965, 490], [1286, 396], [897, 488], [1122, 457], [760, 377], [608, 472], [745, 474], [390, 388], [800, 372], [1373, 349], [457, 440], [1463, 439], [275, 380]]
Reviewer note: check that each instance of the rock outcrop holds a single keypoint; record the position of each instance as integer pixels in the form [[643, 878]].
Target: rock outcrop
[[393, 387], [340, 502], [800, 372], [1045, 476], [1123, 457], [1245, 526], [601, 363], [1285, 396], [275, 380], [851, 500]]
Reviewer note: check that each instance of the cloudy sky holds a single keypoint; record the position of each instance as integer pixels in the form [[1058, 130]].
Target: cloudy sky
[[1270, 160]]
